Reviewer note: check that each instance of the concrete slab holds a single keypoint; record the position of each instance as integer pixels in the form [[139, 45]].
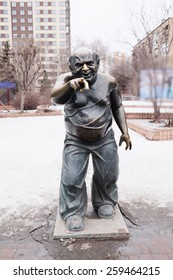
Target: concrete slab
[[95, 227]]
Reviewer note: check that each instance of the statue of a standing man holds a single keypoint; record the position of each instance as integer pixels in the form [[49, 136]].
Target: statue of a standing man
[[90, 101]]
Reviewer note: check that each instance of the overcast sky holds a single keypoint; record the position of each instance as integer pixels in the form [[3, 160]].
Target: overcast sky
[[111, 20]]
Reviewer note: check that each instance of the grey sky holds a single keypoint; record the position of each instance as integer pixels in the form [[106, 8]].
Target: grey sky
[[111, 20]]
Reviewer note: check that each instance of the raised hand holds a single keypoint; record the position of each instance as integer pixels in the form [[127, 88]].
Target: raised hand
[[79, 84]]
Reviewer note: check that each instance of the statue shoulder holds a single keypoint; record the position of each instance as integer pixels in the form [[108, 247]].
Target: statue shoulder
[[109, 79], [112, 81]]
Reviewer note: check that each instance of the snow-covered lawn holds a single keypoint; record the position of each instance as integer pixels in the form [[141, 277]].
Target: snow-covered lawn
[[31, 156]]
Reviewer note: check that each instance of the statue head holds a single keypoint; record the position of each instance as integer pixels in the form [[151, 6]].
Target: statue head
[[84, 63]]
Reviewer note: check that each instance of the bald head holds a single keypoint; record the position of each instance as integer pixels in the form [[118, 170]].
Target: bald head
[[82, 53], [84, 63]]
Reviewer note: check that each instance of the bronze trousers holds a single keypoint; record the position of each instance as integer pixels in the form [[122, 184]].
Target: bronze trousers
[[73, 192]]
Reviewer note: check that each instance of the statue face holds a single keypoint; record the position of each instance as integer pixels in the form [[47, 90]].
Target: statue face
[[84, 63]]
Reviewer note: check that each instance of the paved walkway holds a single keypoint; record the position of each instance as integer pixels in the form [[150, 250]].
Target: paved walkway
[[30, 165], [140, 246], [143, 245]]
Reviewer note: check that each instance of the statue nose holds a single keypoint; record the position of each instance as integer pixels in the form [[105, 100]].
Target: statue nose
[[85, 67]]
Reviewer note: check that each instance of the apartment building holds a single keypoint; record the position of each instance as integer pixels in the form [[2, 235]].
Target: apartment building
[[47, 22], [153, 61], [158, 43]]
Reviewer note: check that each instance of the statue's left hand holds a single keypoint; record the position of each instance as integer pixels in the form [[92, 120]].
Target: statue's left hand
[[125, 138]]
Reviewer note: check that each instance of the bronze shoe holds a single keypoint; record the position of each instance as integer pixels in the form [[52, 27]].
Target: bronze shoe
[[106, 211], [75, 223]]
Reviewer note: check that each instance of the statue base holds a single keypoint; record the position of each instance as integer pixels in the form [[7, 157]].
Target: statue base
[[95, 227]]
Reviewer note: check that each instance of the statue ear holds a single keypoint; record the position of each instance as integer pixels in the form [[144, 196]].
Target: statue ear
[[70, 64], [98, 62], [97, 59]]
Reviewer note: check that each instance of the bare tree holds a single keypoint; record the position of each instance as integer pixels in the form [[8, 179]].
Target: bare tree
[[151, 55], [26, 66], [100, 48], [45, 86], [122, 70], [78, 43]]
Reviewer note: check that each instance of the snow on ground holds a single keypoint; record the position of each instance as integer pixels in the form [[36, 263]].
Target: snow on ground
[[31, 157]]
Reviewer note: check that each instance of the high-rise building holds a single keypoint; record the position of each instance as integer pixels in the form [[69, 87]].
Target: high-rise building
[[47, 22]]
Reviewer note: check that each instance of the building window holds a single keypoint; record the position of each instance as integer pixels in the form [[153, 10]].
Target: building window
[[45, 4], [22, 20], [13, 4], [62, 35], [14, 12], [22, 12], [5, 12], [29, 20], [22, 4], [62, 44], [22, 28], [14, 35], [4, 3], [14, 27], [29, 4], [53, 3], [14, 20], [62, 20], [29, 12], [37, 19], [62, 27], [62, 12], [29, 28], [4, 36], [62, 4], [4, 19], [22, 36], [164, 48]]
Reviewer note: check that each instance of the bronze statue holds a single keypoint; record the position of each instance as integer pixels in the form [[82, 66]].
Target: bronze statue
[[90, 100]]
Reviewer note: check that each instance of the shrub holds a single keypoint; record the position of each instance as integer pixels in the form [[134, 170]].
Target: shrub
[[32, 100]]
